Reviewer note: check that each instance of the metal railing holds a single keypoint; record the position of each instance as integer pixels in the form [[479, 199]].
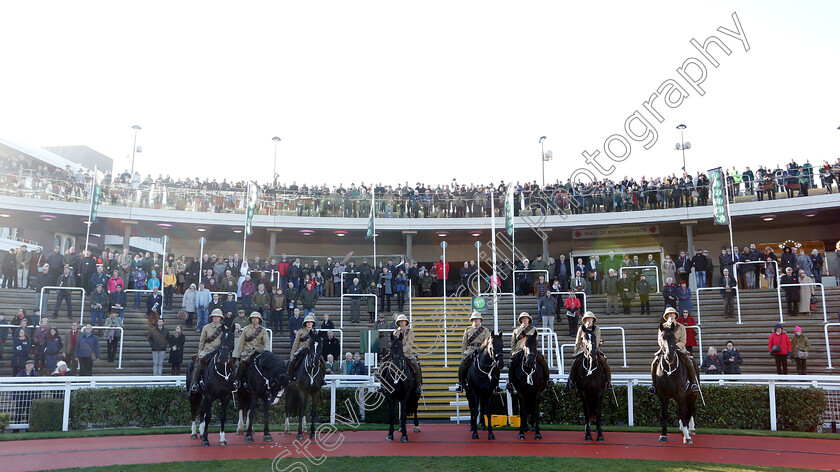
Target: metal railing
[[827, 345], [146, 290], [699, 338], [45, 303], [223, 294], [637, 268], [737, 299], [757, 262], [623, 341], [553, 343], [822, 294], [523, 271], [341, 305]]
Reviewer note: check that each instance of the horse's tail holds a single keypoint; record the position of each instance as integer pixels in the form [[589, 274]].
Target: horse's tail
[[292, 402]]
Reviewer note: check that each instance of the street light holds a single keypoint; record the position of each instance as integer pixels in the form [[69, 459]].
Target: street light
[[276, 140], [546, 156], [136, 128], [682, 145]]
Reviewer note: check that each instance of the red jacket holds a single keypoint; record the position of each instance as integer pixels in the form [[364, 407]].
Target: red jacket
[[283, 269], [781, 340], [690, 334], [572, 304], [441, 270]]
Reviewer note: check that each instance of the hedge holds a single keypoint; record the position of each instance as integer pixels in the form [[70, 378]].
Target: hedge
[[5, 419], [733, 407], [46, 414]]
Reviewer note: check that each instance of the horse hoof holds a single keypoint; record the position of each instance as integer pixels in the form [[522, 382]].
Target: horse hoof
[[300, 437], [416, 429], [205, 443], [193, 436], [404, 439], [491, 436], [600, 438], [588, 437], [475, 435], [692, 432], [222, 443], [521, 437], [688, 441], [483, 428], [249, 439], [240, 433], [538, 437], [663, 438], [389, 437], [267, 438]]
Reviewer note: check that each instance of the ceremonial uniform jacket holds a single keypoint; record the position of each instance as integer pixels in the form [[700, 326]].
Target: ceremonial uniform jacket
[[408, 340], [518, 343], [467, 346], [253, 341], [206, 345], [679, 333], [579, 339], [299, 344]]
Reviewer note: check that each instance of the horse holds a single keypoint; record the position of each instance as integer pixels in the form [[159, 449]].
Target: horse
[[399, 387], [591, 381], [216, 383], [309, 378], [266, 379], [671, 381], [483, 380], [529, 380]]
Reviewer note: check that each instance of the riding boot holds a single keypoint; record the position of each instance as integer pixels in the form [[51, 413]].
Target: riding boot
[[240, 370], [692, 373], [418, 376], [462, 374], [570, 383], [199, 366], [652, 388]]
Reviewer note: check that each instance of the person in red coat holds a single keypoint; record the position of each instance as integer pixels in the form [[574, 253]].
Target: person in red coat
[[779, 345], [690, 333], [442, 271]]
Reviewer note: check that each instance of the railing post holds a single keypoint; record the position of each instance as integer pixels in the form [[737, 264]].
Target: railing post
[[332, 401], [122, 340], [772, 385], [65, 418], [630, 420]]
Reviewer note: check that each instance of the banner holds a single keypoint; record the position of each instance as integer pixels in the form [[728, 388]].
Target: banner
[[251, 207], [98, 177], [717, 183], [371, 229], [615, 232], [509, 211]]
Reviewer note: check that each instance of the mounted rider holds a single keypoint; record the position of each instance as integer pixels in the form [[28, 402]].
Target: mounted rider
[[300, 344], [474, 337], [589, 321], [526, 328], [408, 350], [253, 340], [670, 318], [211, 338]]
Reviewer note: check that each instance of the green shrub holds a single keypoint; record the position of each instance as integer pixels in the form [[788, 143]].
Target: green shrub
[[46, 414], [5, 419]]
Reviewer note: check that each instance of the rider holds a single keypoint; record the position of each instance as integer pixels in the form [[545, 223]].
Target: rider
[[525, 328], [252, 341], [408, 350], [588, 323], [209, 341], [670, 318], [299, 344], [474, 337]]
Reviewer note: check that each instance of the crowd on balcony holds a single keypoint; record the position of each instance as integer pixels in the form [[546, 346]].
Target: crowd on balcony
[[421, 200]]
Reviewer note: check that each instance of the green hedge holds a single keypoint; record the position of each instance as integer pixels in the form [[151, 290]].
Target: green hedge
[[46, 414], [5, 419], [733, 407], [168, 406]]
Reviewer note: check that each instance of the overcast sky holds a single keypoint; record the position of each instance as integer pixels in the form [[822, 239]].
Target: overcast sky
[[430, 91]]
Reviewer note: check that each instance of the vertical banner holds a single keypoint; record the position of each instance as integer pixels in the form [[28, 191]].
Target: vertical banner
[[509, 210], [251, 207], [717, 185], [371, 229], [98, 177]]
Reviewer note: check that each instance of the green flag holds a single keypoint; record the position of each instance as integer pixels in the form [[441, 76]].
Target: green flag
[[717, 183], [98, 177], [371, 229], [509, 211], [251, 201]]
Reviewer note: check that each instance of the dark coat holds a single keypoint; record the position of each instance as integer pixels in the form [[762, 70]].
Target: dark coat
[[118, 298], [792, 293], [709, 361], [87, 346], [669, 295], [176, 356], [643, 288], [734, 366], [158, 338], [21, 351]]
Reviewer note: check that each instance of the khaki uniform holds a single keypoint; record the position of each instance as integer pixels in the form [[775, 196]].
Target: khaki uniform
[[257, 344], [299, 344], [578, 356], [205, 347], [408, 340], [467, 348], [517, 344], [579, 339], [679, 334]]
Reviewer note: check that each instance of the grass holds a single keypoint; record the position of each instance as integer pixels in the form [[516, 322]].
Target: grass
[[95, 433], [444, 464]]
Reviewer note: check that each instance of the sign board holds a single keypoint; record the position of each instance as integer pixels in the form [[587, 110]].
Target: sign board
[[717, 182], [615, 232], [479, 304]]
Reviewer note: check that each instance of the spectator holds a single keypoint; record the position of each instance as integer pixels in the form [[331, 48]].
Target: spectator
[[788, 259], [70, 339], [39, 343], [333, 367], [626, 289], [611, 289], [202, 301], [66, 280], [728, 288], [803, 263], [43, 279], [113, 335], [347, 365], [669, 269], [442, 274], [371, 301], [215, 304], [547, 306], [700, 265], [800, 347], [169, 282], [731, 359], [21, 350], [176, 350], [158, 340], [806, 293], [278, 303], [572, 305], [28, 370], [400, 287], [188, 304], [52, 348], [308, 298], [153, 304], [690, 336], [22, 259], [262, 302], [247, 291], [138, 277], [779, 346], [387, 291], [358, 367], [98, 305], [817, 265], [643, 289], [711, 363], [295, 323], [4, 333], [791, 286], [332, 347], [87, 351], [355, 301], [770, 271], [9, 264], [61, 370], [118, 301]]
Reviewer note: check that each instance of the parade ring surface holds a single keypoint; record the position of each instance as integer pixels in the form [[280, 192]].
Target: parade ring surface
[[433, 441]]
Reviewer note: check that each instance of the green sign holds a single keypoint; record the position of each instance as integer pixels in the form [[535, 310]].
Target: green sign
[[717, 187], [479, 304]]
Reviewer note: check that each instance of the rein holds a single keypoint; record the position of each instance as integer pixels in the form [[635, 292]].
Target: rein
[[663, 361], [309, 362], [227, 373], [529, 376], [491, 352], [267, 383]]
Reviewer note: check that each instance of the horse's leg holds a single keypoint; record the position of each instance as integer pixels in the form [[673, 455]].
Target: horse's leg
[[266, 433], [240, 425], [222, 417], [663, 436], [523, 416], [536, 419], [473, 412], [391, 413], [587, 414], [692, 408], [302, 416], [249, 427], [403, 415], [600, 437], [315, 398], [206, 412], [684, 422], [487, 405], [193, 412]]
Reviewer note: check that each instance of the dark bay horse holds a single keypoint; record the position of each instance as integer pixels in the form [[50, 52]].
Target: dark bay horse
[[529, 380], [309, 378], [591, 381], [265, 379], [482, 380], [215, 383], [399, 387], [671, 381]]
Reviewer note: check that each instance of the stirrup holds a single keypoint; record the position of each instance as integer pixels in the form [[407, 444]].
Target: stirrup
[[652, 390], [459, 388], [695, 388], [235, 386]]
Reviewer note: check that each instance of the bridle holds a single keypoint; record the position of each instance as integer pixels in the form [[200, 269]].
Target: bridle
[[589, 356], [663, 360], [529, 376], [311, 361], [490, 351], [227, 371]]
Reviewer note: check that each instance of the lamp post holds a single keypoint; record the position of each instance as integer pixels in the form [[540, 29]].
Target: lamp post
[[682, 145], [136, 128], [202, 240], [276, 141], [543, 159]]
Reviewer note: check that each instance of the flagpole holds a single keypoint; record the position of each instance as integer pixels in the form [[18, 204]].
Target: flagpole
[[728, 212], [247, 209], [373, 213], [493, 272], [90, 211]]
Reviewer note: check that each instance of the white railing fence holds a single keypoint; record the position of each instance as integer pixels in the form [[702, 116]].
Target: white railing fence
[[827, 344], [815, 284], [45, 302], [640, 268], [718, 289]]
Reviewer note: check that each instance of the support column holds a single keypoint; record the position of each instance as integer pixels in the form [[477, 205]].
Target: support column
[[272, 245], [409, 242], [545, 250], [127, 234]]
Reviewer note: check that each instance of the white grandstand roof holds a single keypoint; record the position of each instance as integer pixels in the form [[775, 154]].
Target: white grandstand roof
[[12, 148]]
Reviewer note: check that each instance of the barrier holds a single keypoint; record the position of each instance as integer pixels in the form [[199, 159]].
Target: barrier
[[636, 268], [51, 287], [699, 339], [827, 346], [341, 302], [360, 382], [778, 276], [554, 349], [822, 294], [737, 300], [224, 294], [145, 290], [623, 340]]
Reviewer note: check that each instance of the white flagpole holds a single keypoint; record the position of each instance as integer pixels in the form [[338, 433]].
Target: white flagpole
[[90, 211], [729, 213], [247, 208], [373, 213], [493, 272]]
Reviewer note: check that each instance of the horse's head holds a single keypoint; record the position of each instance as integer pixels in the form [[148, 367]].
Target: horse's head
[[316, 347], [497, 346], [227, 340], [530, 349], [590, 342], [666, 330], [396, 350]]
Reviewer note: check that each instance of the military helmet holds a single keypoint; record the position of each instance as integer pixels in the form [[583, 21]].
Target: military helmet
[[256, 314], [310, 317], [589, 314], [524, 314], [217, 312], [668, 311], [476, 315]]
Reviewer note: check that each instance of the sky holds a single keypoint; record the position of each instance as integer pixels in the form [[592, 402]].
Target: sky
[[395, 92]]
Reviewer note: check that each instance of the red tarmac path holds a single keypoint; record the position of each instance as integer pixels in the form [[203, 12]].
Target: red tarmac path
[[434, 440]]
